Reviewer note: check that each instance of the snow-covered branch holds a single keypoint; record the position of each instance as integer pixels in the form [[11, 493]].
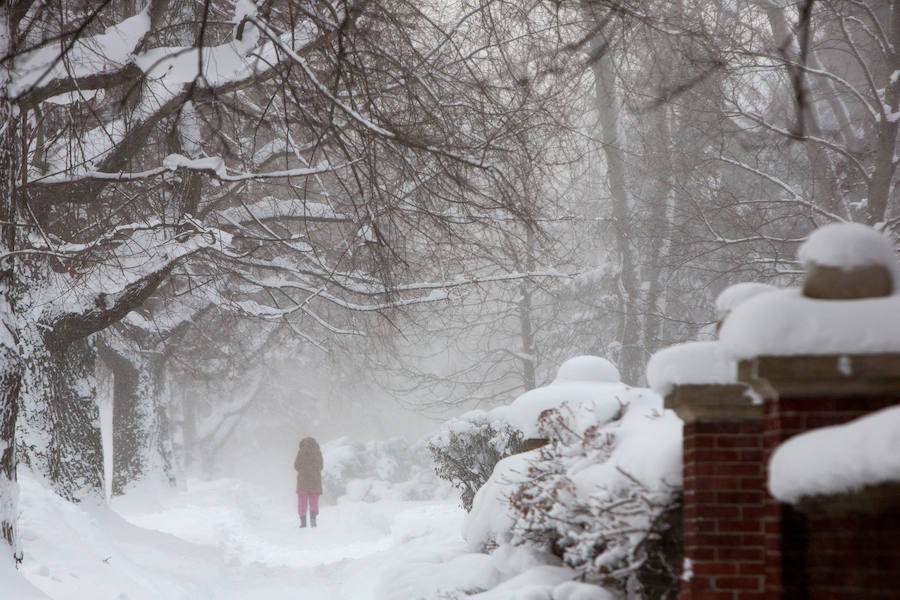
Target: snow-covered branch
[[104, 295], [212, 166]]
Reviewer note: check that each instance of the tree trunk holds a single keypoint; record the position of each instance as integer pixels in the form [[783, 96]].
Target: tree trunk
[[10, 363], [659, 223], [189, 432], [125, 421], [629, 359], [881, 184], [141, 447], [526, 326], [10, 381], [59, 429]]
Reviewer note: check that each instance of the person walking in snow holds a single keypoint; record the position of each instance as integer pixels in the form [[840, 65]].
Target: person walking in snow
[[308, 465]]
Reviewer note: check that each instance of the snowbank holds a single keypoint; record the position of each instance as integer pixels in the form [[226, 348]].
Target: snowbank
[[786, 323], [492, 518], [14, 584], [589, 385], [85, 550], [690, 363], [838, 459]]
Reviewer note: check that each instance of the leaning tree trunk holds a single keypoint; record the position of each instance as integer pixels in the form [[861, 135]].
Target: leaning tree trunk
[[59, 429], [59, 432], [10, 364]]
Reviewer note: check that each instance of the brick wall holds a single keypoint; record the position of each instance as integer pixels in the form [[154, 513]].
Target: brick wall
[[742, 544], [810, 555], [723, 500], [853, 556]]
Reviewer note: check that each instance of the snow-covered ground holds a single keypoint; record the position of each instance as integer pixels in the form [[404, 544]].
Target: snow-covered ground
[[228, 539]]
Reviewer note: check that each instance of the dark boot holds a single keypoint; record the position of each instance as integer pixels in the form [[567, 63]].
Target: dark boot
[[303, 521], [312, 518]]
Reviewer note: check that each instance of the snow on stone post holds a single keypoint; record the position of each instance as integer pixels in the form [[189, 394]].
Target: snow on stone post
[[723, 471], [821, 357]]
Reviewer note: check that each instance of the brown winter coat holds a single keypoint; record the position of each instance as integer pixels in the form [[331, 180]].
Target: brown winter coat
[[308, 465]]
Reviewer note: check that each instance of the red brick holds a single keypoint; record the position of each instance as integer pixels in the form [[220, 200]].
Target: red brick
[[719, 540], [715, 455], [700, 526], [826, 420], [754, 456], [715, 569], [711, 595], [740, 441], [739, 497], [751, 512], [721, 427], [753, 540], [752, 483], [699, 554], [703, 442], [740, 526], [741, 554], [717, 483], [719, 512], [753, 584], [702, 497], [738, 469], [756, 569], [705, 469]]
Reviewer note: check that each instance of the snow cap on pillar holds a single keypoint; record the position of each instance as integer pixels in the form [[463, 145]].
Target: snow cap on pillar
[[848, 305], [846, 261]]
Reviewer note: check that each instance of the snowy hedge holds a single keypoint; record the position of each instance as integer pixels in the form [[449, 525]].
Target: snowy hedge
[[601, 495], [376, 470], [466, 449]]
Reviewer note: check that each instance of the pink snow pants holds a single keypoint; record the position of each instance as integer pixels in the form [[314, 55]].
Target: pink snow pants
[[305, 499]]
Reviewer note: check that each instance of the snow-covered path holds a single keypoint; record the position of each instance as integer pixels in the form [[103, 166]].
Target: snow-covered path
[[229, 540]]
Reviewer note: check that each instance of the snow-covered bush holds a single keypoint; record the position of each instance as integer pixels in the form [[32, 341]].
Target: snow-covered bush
[[378, 470], [580, 503], [466, 449], [599, 496]]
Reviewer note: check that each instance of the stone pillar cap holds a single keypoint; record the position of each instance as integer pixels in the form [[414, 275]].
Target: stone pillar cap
[[823, 376], [729, 402], [847, 261]]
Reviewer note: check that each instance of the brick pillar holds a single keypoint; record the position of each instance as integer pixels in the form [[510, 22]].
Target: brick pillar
[[804, 393], [723, 492]]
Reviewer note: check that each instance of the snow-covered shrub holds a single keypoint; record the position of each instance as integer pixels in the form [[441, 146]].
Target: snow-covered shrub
[[466, 449], [599, 497], [378, 470]]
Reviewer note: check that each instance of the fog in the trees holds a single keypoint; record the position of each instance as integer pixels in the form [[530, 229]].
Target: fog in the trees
[[229, 225]]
